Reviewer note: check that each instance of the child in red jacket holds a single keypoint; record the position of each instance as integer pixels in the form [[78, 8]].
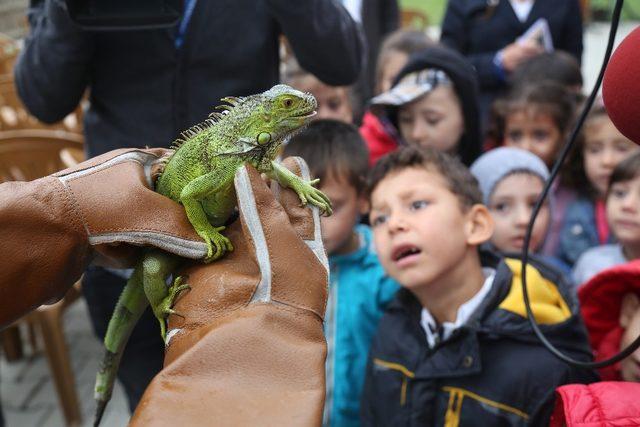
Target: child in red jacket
[[610, 305]]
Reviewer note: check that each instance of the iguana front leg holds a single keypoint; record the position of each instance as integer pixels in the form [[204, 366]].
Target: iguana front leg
[[304, 189], [190, 197]]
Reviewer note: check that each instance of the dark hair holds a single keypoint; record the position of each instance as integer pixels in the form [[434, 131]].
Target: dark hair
[[545, 97], [404, 41], [459, 179], [573, 173], [558, 66], [626, 170], [332, 147]]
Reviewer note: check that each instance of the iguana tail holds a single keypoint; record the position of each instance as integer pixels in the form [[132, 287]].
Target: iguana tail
[[129, 308]]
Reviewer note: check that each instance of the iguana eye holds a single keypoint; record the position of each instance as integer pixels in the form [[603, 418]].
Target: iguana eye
[[288, 102], [263, 138]]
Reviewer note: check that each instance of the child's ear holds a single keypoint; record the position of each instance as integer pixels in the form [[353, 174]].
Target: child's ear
[[479, 227], [630, 304]]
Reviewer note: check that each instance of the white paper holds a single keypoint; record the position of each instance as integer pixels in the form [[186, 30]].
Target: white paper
[[540, 33]]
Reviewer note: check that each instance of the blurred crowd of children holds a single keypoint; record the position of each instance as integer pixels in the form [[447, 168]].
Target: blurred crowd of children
[[432, 200]]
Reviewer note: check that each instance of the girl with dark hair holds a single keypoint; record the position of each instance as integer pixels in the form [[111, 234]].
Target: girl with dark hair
[[600, 149], [537, 117], [623, 216]]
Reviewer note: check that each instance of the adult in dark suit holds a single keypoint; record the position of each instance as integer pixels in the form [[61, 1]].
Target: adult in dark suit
[[148, 85], [485, 31], [378, 19]]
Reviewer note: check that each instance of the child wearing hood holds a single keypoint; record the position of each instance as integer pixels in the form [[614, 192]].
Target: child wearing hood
[[433, 103], [610, 306], [511, 180], [380, 135]]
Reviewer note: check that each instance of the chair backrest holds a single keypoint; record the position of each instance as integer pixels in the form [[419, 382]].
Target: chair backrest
[[14, 115], [31, 154], [414, 19], [9, 49]]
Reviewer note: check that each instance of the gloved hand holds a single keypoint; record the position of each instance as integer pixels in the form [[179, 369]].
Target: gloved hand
[[100, 210], [250, 349]]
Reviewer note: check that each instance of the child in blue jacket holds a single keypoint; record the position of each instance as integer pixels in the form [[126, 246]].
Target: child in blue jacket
[[359, 288]]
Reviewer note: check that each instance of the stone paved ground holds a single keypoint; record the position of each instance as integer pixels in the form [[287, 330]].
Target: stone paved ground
[[26, 391], [28, 394]]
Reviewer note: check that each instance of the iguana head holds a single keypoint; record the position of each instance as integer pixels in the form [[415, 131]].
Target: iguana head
[[261, 123]]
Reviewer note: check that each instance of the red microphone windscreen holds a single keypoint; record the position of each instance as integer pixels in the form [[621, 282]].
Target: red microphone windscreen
[[621, 87]]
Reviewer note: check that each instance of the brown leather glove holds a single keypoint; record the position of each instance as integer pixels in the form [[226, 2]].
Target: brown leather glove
[[250, 349], [98, 210]]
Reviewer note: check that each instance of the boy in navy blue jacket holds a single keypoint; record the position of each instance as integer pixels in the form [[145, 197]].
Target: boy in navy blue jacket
[[455, 347]]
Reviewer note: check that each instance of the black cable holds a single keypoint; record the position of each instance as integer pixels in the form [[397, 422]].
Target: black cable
[[615, 19]]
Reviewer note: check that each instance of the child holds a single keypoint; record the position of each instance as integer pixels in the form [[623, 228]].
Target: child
[[623, 215], [558, 66], [381, 136], [610, 304], [433, 103], [359, 289], [511, 181], [537, 117], [334, 102], [455, 347], [394, 54], [588, 171]]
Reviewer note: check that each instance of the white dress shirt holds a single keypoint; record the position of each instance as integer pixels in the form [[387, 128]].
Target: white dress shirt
[[521, 8], [437, 334]]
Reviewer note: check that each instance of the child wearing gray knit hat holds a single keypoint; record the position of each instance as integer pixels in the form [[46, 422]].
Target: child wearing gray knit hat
[[511, 180]]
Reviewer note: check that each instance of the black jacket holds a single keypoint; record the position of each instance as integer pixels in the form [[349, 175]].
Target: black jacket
[[465, 82], [144, 91], [379, 18], [467, 28], [477, 31], [491, 372]]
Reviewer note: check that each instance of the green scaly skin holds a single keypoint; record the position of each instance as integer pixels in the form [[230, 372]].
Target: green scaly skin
[[200, 176]]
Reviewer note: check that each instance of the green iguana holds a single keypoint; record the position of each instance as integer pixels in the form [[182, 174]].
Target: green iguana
[[199, 174]]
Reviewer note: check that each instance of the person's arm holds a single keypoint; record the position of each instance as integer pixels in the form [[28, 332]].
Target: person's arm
[[572, 32], [248, 347], [51, 73], [101, 210], [390, 16], [455, 35], [324, 38]]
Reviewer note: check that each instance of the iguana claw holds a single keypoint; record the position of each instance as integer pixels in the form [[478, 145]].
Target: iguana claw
[[164, 309], [309, 194], [217, 244]]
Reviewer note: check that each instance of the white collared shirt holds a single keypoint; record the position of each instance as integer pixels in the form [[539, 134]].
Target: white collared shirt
[[355, 9], [522, 8], [430, 326]]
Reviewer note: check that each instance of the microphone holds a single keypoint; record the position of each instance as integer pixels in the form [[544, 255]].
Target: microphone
[[621, 87]]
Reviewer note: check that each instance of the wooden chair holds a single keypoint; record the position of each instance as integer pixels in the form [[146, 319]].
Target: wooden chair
[[9, 49], [14, 115], [414, 19], [28, 155]]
